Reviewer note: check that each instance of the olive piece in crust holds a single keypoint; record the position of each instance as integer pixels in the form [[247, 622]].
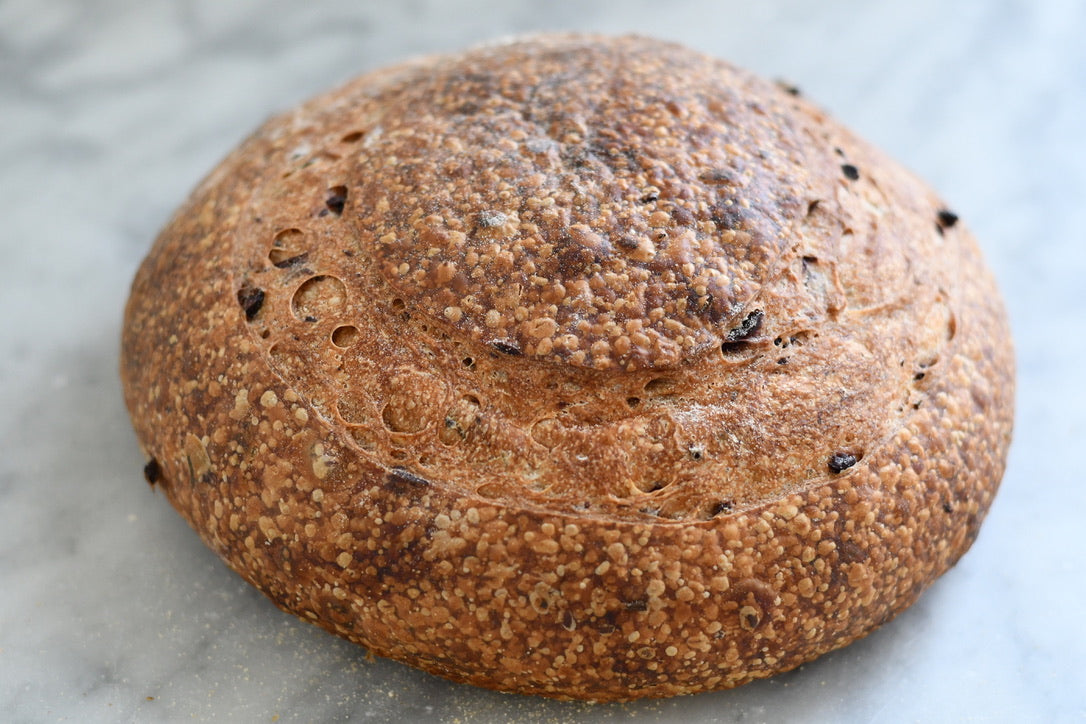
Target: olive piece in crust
[[577, 366]]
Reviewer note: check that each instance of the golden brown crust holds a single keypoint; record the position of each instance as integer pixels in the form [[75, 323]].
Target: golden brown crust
[[575, 366]]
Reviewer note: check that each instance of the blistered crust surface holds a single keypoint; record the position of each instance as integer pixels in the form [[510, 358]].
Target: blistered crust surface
[[806, 346], [594, 205], [672, 518]]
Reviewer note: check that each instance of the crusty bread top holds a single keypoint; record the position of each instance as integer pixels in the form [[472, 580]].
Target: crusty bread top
[[569, 203], [354, 359], [641, 282]]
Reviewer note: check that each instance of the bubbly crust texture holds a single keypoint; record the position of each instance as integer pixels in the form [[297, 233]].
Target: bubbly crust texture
[[576, 366]]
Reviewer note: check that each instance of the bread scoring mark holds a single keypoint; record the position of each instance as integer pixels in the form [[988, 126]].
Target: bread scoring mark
[[406, 423], [551, 422]]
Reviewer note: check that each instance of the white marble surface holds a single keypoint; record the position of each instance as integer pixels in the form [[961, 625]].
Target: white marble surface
[[112, 610]]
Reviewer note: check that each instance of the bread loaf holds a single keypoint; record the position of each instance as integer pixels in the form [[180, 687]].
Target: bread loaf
[[576, 366]]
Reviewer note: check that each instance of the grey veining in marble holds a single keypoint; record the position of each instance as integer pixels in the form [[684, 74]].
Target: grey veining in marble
[[110, 111]]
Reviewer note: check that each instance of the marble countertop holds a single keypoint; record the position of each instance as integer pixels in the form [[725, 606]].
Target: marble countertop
[[110, 111]]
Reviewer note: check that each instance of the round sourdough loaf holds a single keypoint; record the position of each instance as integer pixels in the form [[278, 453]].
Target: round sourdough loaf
[[577, 366]]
